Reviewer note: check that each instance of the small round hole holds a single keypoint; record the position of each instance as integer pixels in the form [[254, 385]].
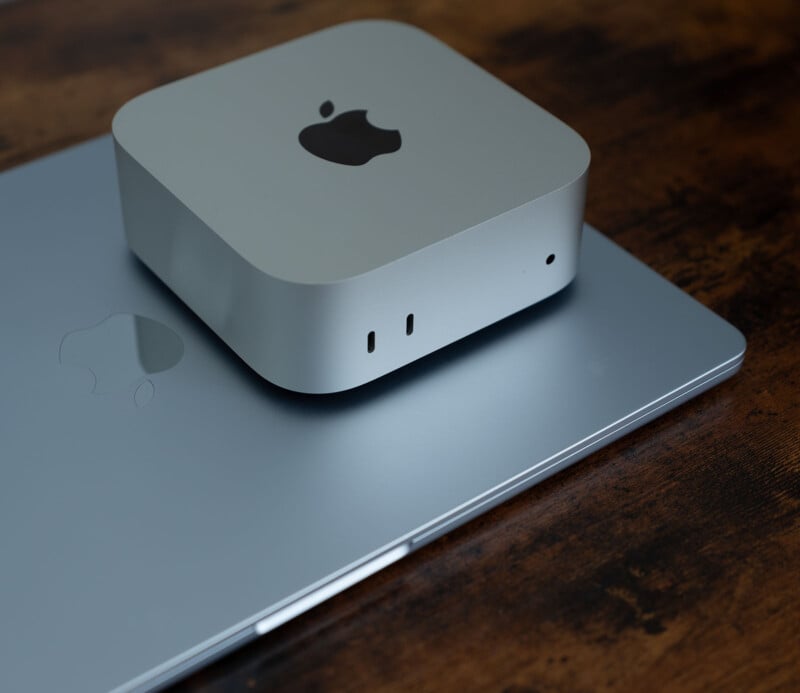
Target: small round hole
[[550, 259]]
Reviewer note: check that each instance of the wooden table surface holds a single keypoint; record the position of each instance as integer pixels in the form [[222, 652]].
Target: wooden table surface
[[670, 559]]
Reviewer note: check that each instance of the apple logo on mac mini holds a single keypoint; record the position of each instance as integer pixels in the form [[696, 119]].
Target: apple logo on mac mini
[[348, 139], [121, 352]]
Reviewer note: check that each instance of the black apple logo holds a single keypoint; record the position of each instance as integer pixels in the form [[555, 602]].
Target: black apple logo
[[121, 352], [348, 139]]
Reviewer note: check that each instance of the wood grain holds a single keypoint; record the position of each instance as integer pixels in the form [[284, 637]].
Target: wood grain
[[668, 560]]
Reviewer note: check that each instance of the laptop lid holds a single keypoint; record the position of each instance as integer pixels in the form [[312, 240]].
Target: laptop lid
[[161, 504]]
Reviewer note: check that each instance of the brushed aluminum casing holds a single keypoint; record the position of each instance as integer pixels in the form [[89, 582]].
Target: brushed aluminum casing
[[141, 540], [293, 260]]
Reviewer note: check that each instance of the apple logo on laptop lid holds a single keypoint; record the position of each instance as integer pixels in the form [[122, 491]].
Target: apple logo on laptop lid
[[121, 352], [349, 138]]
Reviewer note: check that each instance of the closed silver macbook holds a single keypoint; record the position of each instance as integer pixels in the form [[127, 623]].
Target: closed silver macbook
[[161, 504]]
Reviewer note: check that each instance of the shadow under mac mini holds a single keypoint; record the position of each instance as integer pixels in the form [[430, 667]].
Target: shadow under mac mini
[[432, 365]]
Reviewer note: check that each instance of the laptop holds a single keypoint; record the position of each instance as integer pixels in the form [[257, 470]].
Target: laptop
[[160, 504]]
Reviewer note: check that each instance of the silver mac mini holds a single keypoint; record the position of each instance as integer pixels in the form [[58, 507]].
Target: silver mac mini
[[346, 203]]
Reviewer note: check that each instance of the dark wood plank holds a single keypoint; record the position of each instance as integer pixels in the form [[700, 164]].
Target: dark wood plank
[[670, 559]]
